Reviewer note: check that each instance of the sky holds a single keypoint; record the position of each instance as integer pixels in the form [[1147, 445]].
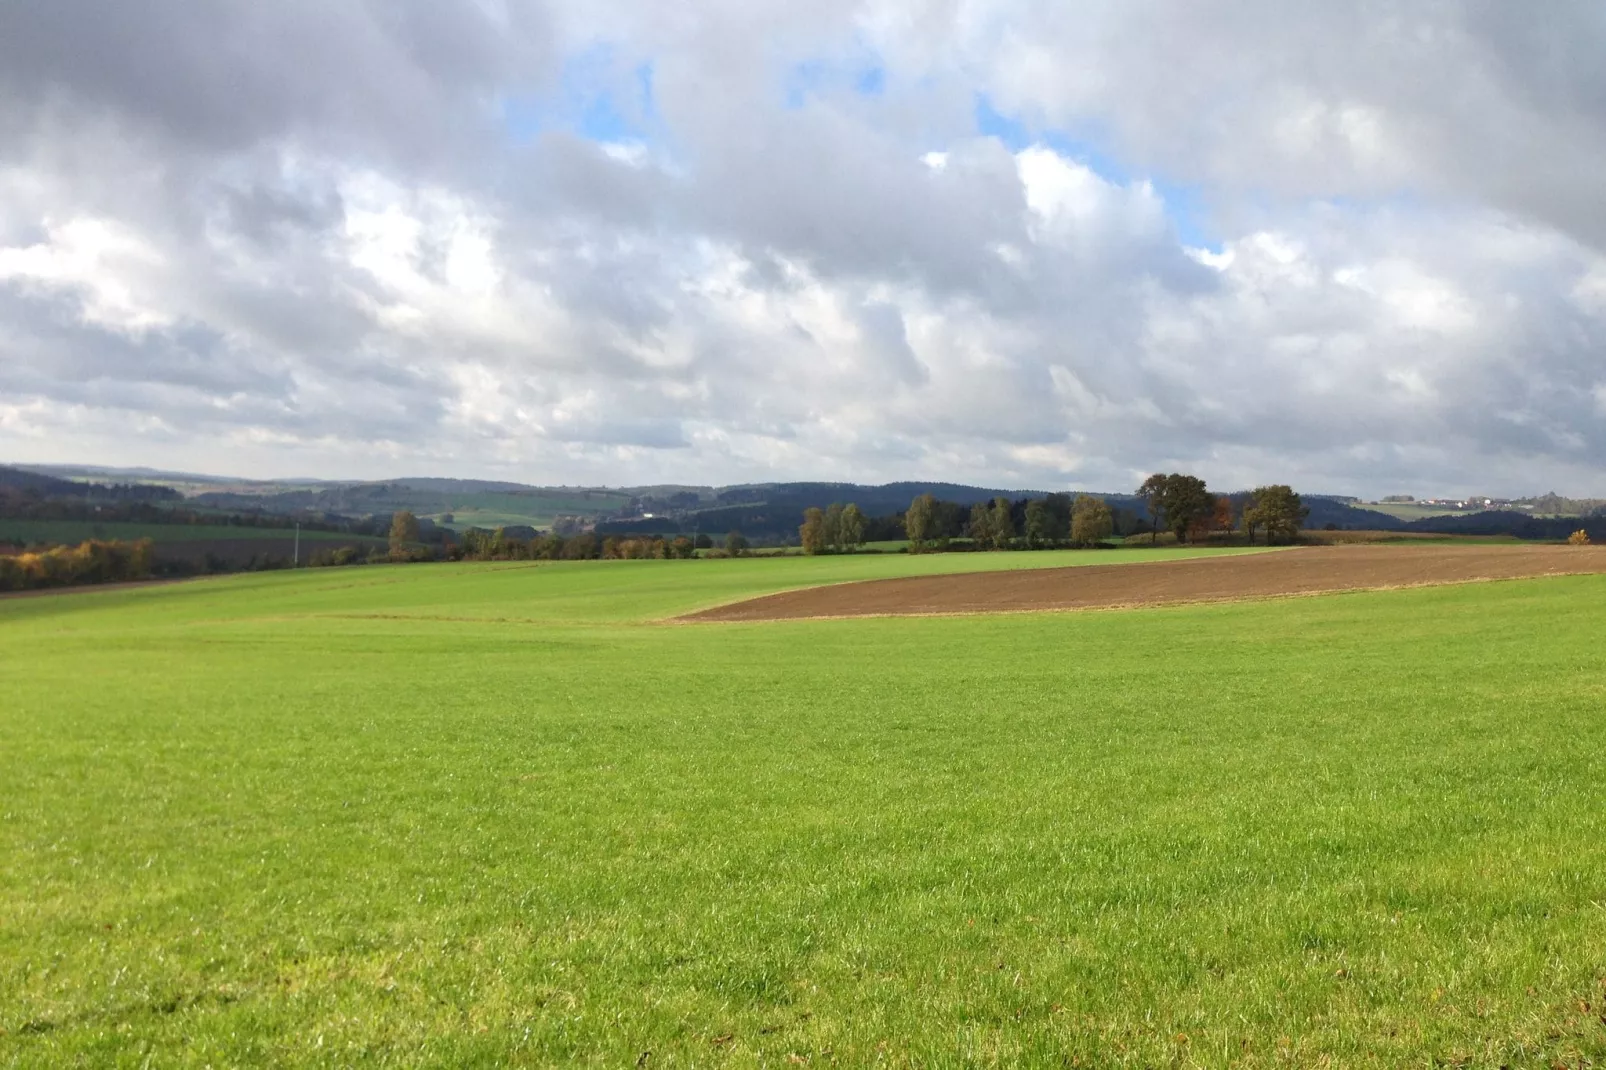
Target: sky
[[1359, 248]]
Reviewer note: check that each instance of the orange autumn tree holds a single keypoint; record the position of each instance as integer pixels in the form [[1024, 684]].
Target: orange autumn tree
[[1217, 521]]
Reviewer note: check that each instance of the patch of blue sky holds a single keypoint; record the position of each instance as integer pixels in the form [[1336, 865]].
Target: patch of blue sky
[[865, 76], [597, 98], [1184, 203]]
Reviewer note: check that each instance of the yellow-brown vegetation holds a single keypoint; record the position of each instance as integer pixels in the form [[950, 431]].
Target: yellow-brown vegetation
[[94, 561]]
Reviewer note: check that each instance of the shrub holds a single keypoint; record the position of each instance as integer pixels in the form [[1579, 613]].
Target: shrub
[[1578, 538]]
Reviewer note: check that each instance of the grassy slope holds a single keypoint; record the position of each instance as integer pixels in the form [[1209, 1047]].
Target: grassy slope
[[457, 813], [1412, 510], [489, 509]]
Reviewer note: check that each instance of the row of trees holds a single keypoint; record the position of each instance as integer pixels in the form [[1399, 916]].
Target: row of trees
[[479, 544], [833, 530], [1183, 504], [1177, 502], [1277, 510], [95, 561], [1054, 520]]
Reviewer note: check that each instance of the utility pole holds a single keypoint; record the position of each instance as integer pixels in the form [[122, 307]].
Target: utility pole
[[296, 559]]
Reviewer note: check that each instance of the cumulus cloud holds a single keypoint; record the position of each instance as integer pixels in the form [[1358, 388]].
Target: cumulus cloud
[[1357, 247]]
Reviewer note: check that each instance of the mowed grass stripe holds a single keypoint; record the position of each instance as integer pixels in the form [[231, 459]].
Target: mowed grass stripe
[[239, 828]]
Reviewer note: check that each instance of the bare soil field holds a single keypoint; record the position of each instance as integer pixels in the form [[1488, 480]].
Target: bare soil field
[[1311, 570]]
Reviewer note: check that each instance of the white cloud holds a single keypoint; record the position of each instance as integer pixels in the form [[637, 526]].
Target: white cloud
[[1349, 247], [103, 264]]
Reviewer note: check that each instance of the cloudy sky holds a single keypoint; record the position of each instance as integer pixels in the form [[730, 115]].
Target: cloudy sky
[[1359, 247]]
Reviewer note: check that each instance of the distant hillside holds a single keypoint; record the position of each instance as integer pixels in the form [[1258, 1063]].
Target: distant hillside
[[1505, 522], [774, 510], [457, 503], [765, 511], [1325, 511], [24, 480], [15, 481]]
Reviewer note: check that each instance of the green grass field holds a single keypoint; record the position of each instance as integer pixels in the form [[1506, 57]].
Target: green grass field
[[494, 814], [1411, 510], [489, 509]]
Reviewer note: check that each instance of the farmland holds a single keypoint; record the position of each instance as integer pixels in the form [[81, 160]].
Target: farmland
[[1412, 510], [1209, 578], [505, 814]]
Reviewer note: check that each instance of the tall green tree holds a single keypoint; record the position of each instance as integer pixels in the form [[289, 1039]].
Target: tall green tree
[[981, 525], [1059, 517], [833, 526], [1003, 525], [1186, 501], [812, 532], [735, 543], [1153, 494], [1038, 522], [1277, 509], [403, 533], [917, 522], [1091, 520], [853, 521]]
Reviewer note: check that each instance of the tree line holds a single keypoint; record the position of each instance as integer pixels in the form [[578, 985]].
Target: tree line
[[481, 544], [26, 505], [93, 561], [1038, 523], [835, 529], [1184, 505], [1179, 503]]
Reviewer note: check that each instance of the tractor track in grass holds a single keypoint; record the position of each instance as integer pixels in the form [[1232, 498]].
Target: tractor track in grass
[[1300, 571]]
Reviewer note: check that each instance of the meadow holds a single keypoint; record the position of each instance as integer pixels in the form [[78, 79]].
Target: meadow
[[503, 814]]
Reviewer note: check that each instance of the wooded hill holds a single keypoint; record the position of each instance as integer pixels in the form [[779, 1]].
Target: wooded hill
[[764, 512]]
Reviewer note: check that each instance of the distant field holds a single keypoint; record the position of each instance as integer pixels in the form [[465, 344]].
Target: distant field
[[471, 518], [494, 510], [1341, 538], [501, 814], [1301, 571], [1411, 510]]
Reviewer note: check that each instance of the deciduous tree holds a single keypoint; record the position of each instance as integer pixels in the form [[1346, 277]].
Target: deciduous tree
[[403, 533], [981, 525], [1277, 509], [918, 520], [812, 533], [1091, 520], [833, 526], [852, 526], [1058, 507], [1038, 522], [1002, 528], [1153, 494], [1185, 501]]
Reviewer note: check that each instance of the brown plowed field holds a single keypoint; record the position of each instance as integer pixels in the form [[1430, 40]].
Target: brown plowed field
[[1208, 579]]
